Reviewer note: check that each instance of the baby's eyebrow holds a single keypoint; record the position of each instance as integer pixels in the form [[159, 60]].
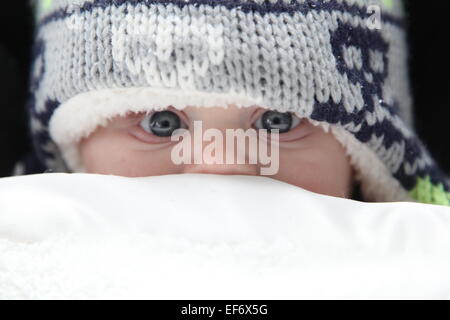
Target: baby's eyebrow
[[132, 114]]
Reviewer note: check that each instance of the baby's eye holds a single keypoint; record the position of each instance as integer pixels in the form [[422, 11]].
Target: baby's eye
[[272, 120], [162, 124]]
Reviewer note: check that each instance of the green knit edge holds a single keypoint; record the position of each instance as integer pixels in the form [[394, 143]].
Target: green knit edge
[[41, 7], [426, 192], [388, 3]]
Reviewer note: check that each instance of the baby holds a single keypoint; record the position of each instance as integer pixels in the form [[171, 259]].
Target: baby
[[140, 145], [316, 91]]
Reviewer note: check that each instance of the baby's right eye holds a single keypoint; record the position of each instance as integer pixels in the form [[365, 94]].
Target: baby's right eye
[[162, 124]]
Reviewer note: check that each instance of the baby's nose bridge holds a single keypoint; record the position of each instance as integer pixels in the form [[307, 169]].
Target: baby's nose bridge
[[220, 118]]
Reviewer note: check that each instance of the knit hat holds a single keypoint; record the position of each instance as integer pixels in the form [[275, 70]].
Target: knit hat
[[340, 63]]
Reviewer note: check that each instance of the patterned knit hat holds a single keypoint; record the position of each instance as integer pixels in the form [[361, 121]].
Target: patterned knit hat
[[340, 63]]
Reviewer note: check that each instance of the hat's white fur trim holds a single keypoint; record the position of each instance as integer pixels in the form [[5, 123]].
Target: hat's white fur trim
[[377, 182], [81, 115]]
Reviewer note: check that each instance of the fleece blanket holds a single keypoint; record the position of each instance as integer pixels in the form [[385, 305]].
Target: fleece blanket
[[201, 236]]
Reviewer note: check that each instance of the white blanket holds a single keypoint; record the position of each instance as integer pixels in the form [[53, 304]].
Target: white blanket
[[213, 237]]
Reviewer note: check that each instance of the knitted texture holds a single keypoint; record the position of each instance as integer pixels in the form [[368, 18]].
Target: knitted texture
[[339, 63]]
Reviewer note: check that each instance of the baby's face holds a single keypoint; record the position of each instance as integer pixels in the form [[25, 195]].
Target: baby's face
[[140, 145]]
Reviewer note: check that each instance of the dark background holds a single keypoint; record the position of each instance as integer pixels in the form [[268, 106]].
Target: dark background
[[429, 25]]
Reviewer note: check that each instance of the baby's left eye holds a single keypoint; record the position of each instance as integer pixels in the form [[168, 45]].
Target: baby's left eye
[[272, 120]]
